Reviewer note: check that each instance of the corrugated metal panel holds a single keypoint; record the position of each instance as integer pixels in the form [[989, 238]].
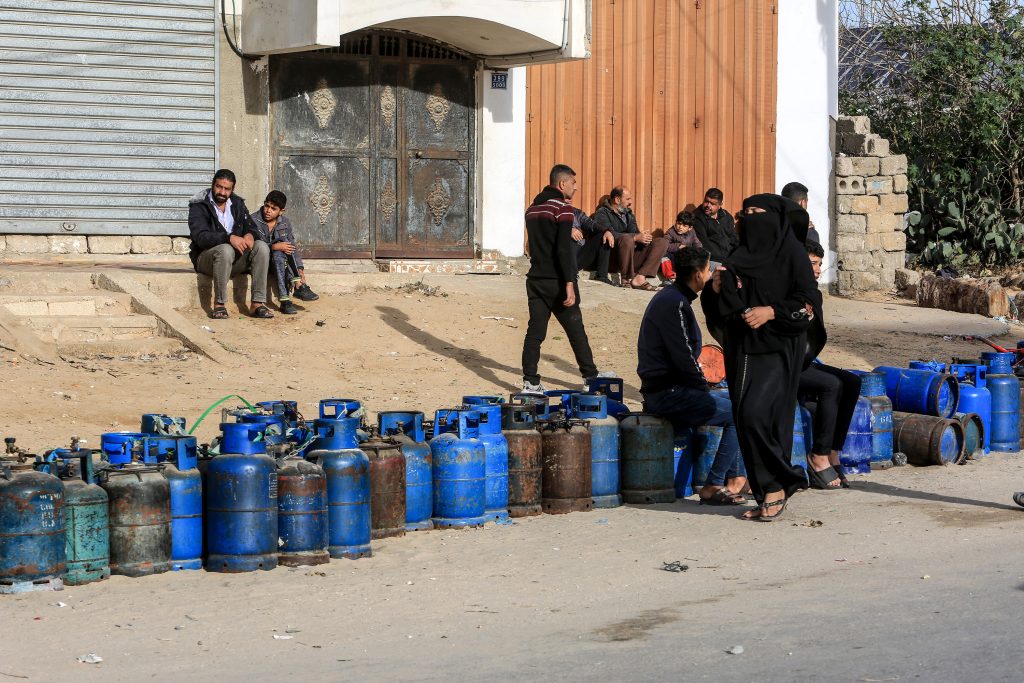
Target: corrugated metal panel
[[107, 114], [678, 96]]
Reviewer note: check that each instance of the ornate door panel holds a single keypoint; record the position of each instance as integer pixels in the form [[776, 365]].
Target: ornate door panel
[[321, 115], [373, 144], [439, 119]]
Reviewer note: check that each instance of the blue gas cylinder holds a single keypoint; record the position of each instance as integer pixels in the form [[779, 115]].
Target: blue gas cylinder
[[86, 515], [604, 448], [647, 459], [682, 461], [920, 391], [706, 440], [612, 388], [288, 410], [872, 387], [541, 404], [334, 434], [801, 440], [301, 513], [496, 460], [460, 469], [930, 365], [242, 438], [241, 512], [407, 429], [855, 457], [117, 447], [482, 400], [348, 501], [32, 540], [272, 427], [154, 423], [1005, 390], [975, 398], [177, 459], [974, 435], [561, 400]]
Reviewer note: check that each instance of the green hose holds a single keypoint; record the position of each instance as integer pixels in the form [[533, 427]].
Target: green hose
[[210, 409]]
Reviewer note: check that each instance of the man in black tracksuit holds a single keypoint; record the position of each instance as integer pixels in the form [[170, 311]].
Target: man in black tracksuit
[[224, 243], [551, 281]]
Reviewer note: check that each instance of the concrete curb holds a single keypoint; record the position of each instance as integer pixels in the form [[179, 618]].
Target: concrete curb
[[172, 323]]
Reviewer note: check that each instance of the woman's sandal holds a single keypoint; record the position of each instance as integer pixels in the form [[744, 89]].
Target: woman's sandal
[[781, 504], [219, 313], [843, 482], [820, 479], [722, 497], [262, 311]]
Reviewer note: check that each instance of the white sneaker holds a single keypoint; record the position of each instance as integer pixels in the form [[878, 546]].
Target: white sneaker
[[530, 388]]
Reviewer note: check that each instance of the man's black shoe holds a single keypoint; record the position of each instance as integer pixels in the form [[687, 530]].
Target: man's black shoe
[[607, 280], [288, 308], [304, 293]]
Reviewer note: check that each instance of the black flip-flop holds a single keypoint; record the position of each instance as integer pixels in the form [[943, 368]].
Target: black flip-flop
[[1018, 498], [262, 312], [781, 504], [819, 479], [722, 497], [219, 313]]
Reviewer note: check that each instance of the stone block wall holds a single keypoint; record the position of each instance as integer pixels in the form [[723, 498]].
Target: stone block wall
[[870, 203], [14, 245]]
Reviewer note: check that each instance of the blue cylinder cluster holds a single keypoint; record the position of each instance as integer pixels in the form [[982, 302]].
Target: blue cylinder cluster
[[459, 469], [1005, 391], [496, 461], [604, 447], [407, 429], [920, 391]]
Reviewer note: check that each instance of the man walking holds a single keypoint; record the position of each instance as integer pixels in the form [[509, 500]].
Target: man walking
[[714, 226], [551, 281], [224, 244]]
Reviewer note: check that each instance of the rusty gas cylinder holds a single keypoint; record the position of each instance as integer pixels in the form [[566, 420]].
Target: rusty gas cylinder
[[566, 478], [387, 486], [518, 424]]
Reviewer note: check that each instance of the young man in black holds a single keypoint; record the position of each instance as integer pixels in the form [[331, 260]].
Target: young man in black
[[714, 226], [551, 281], [798, 192]]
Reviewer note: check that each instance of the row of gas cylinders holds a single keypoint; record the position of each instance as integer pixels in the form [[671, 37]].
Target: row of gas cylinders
[[272, 491]]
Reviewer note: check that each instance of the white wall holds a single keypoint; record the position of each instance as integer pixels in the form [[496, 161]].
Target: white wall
[[808, 100], [503, 164]]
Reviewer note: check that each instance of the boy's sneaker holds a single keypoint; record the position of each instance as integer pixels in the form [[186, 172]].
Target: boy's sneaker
[[530, 388], [304, 293], [288, 308]]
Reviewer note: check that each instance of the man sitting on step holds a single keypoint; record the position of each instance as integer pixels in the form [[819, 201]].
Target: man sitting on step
[[224, 244]]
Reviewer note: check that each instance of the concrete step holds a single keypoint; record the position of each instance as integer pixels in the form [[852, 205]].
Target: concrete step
[[92, 328], [99, 303], [123, 348]]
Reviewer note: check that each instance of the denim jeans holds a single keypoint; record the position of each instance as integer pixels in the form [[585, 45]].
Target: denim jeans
[[685, 407]]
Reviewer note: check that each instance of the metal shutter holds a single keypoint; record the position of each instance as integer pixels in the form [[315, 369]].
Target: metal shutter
[[107, 114]]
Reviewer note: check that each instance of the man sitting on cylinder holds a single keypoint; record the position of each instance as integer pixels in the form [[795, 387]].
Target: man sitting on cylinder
[[834, 392], [671, 379]]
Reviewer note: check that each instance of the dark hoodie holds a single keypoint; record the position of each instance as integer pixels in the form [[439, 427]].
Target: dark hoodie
[[549, 222], [622, 223], [204, 228]]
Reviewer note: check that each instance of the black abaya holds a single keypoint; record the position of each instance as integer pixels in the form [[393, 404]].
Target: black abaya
[[768, 268]]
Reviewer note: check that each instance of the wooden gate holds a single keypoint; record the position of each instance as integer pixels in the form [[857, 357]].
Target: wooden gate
[[678, 96], [373, 144]]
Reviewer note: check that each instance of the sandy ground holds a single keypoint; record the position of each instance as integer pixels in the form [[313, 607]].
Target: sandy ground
[[509, 602]]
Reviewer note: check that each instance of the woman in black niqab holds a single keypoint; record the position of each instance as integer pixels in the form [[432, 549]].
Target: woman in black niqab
[[760, 309]]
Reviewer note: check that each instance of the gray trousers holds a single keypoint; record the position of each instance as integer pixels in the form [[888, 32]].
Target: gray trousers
[[223, 262]]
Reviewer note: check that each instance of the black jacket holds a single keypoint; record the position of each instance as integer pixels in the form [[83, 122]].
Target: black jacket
[[608, 218], [718, 236], [549, 222], [206, 231], [670, 343]]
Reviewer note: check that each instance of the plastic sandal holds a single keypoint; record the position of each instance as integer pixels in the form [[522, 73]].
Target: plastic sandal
[[820, 479], [262, 312], [722, 497], [781, 504], [219, 313]]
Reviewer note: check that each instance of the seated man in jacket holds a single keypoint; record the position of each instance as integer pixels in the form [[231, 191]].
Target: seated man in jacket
[[672, 381], [224, 243], [636, 255], [714, 226], [594, 245]]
